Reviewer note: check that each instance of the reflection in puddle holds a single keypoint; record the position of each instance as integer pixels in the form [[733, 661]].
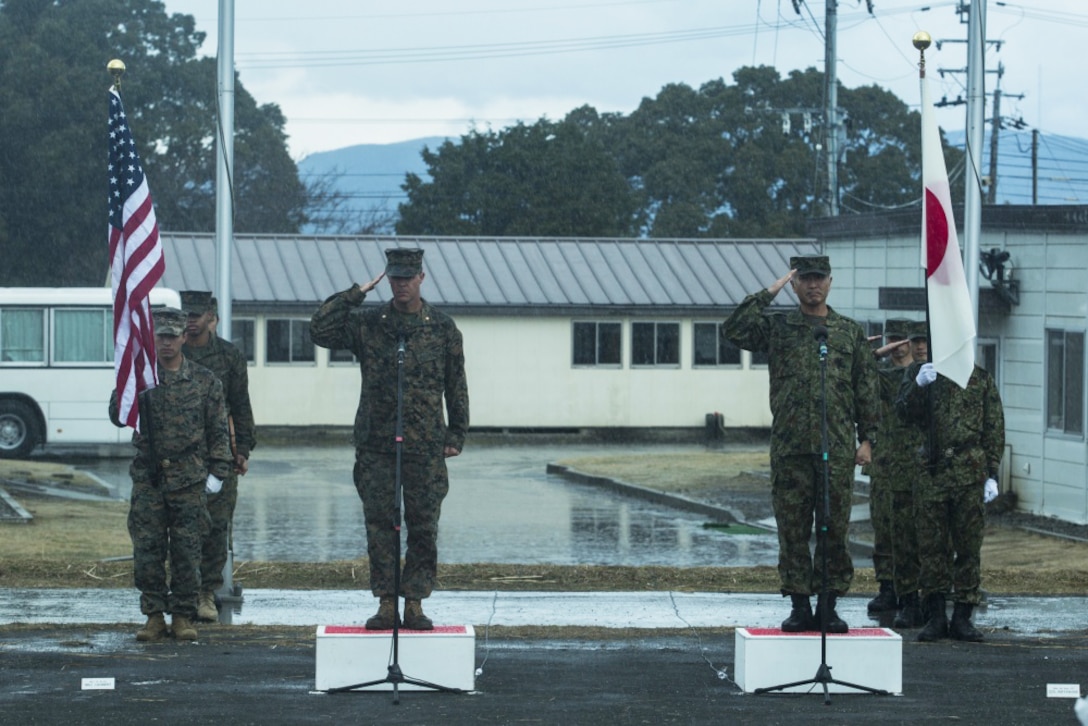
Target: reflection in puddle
[[299, 504]]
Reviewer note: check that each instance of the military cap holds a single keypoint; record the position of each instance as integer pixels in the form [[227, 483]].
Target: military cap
[[169, 321], [196, 302], [403, 262], [811, 265], [897, 328], [919, 329]]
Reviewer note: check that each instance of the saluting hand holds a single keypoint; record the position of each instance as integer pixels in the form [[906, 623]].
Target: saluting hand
[[781, 282]]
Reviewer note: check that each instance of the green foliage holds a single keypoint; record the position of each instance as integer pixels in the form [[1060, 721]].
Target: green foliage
[[53, 85], [707, 162]]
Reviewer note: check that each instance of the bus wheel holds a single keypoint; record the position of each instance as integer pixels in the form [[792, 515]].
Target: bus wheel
[[18, 431]]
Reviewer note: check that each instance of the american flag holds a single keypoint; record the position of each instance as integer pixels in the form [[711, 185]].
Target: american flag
[[136, 265]]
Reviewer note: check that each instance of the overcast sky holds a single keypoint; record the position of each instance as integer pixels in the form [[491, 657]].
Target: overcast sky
[[349, 72]]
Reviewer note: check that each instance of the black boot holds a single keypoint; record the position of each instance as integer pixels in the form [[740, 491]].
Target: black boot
[[885, 599], [835, 624], [937, 627], [961, 628], [910, 615], [800, 619]]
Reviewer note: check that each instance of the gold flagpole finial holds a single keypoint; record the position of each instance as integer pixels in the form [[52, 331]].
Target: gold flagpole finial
[[117, 69], [921, 41]]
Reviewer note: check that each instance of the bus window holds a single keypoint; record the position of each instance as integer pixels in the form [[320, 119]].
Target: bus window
[[22, 335], [82, 336]]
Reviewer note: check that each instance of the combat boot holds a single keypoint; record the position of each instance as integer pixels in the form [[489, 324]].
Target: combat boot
[[910, 615], [383, 619], [154, 629], [414, 619], [183, 628], [205, 608], [800, 619], [961, 627], [885, 599], [835, 624], [937, 627]]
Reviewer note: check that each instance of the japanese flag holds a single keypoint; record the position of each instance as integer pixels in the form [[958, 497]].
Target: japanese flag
[[951, 313]]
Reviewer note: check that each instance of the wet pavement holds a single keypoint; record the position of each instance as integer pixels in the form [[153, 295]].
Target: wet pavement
[[298, 504]]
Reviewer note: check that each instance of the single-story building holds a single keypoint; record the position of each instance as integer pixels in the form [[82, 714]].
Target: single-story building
[[560, 334]]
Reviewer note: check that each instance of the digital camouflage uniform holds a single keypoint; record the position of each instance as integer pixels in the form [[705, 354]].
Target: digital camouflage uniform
[[969, 433], [853, 414], [434, 366], [223, 359], [184, 438]]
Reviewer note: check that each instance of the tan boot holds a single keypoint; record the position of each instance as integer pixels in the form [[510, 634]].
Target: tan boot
[[383, 619], [154, 629], [205, 608], [183, 628], [414, 619]]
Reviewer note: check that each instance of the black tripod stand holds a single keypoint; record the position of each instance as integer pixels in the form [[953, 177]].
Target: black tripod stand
[[395, 676], [823, 673]]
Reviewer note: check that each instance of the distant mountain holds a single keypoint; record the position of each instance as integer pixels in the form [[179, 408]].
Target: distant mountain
[[370, 175]]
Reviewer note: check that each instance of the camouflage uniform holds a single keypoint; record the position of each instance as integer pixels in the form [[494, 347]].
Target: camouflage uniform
[[969, 436], [223, 359], [185, 420], [796, 447], [434, 365]]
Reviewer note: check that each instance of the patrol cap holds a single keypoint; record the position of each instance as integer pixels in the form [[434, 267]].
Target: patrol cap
[[919, 329], [169, 321], [196, 302], [811, 265], [898, 328], [403, 262]]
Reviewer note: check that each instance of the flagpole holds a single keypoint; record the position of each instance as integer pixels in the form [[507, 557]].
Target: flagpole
[[921, 41]]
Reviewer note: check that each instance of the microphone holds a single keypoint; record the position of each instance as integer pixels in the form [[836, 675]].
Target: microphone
[[819, 332]]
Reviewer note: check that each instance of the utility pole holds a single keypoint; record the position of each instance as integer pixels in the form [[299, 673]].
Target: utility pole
[[1034, 167], [998, 125], [831, 116]]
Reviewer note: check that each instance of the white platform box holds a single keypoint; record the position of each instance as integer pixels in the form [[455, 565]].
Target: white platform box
[[350, 654], [869, 657]]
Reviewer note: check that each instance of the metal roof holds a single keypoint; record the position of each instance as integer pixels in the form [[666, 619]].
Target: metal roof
[[494, 275]]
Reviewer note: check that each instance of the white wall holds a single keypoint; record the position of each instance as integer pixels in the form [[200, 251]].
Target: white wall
[[520, 376]]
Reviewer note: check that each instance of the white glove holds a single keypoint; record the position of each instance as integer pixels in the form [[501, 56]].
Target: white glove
[[926, 375], [990, 492], [214, 484]]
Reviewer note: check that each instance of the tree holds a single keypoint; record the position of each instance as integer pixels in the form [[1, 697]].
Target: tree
[[547, 179], [52, 134], [716, 161]]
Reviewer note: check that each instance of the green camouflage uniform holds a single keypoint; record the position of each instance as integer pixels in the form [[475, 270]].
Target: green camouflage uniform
[[969, 436], [434, 366], [227, 362], [895, 460], [186, 422], [853, 413]]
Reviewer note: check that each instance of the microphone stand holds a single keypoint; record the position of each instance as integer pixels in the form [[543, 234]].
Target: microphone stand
[[395, 675], [823, 673]]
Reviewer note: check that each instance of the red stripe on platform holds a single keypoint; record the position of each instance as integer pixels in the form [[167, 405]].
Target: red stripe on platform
[[855, 632], [360, 630]]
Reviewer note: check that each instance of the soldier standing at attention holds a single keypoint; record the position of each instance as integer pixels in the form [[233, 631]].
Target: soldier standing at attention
[[220, 356], [182, 453], [968, 442], [888, 465], [433, 369], [797, 466]]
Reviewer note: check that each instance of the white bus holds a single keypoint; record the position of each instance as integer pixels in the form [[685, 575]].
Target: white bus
[[56, 366]]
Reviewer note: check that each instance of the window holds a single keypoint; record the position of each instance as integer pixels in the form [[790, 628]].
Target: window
[[655, 344], [289, 342], [1065, 381], [340, 355], [711, 349], [243, 333], [596, 344], [22, 336], [82, 336]]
